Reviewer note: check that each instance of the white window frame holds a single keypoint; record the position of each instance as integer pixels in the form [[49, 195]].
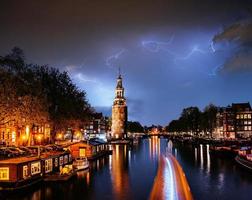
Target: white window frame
[[48, 165], [25, 171], [35, 169]]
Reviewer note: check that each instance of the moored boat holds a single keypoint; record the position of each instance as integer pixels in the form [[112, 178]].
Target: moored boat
[[66, 173], [244, 157], [223, 151], [243, 161], [81, 164]]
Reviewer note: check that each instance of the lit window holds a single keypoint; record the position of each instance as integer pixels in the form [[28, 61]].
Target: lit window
[[245, 116], [48, 165], [61, 160], [4, 173], [245, 122], [56, 162], [25, 171], [65, 159], [237, 116], [249, 122], [245, 128], [249, 116], [249, 128], [82, 152], [35, 168], [241, 116]]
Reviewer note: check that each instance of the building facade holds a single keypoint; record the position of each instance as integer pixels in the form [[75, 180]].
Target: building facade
[[119, 112], [99, 124], [234, 122], [14, 134]]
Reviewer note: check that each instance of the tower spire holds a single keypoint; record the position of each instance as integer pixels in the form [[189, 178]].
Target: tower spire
[[119, 71]]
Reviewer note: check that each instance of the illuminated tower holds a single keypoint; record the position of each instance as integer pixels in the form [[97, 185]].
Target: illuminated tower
[[119, 111]]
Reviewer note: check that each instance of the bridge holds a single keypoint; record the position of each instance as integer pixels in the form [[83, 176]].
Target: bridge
[[170, 182]]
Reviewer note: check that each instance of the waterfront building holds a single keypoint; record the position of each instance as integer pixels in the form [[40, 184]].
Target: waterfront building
[[19, 134], [234, 122], [97, 125], [119, 112]]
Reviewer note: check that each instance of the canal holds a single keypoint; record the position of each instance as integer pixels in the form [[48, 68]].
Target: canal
[[129, 174]]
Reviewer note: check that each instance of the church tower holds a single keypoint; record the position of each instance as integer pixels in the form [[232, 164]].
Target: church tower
[[119, 111]]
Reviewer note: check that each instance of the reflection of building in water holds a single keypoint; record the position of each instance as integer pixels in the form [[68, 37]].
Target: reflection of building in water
[[208, 159], [170, 146], [119, 171], [154, 147], [201, 157], [196, 154]]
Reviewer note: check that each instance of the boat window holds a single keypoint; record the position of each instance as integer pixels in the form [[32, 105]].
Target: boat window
[[56, 162], [65, 159], [82, 152], [61, 160], [48, 165], [35, 168], [25, 171], [4, 173]]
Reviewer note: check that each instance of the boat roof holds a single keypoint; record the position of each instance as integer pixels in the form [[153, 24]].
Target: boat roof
[[19, 160], [96, 141], [43, 156], [245, 148]]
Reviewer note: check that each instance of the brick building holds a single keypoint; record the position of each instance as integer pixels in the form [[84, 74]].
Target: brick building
[[119, 112], [234, 121]]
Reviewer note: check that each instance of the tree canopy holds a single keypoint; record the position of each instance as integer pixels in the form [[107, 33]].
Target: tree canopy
[[33, 94], [192, 119]]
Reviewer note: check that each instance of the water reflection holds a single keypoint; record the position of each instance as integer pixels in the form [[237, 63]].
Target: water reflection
[[208, 158], [201, 157], [129, 174], [196, 155], [154, 147], [212, 177], [119, 171]]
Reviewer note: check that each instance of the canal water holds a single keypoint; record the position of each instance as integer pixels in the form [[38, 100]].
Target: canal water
[[129, 174]]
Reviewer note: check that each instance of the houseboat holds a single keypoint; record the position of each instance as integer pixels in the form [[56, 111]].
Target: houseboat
[[244, 157], [20, 172], [90, 149], [65, 174], [223, 151], [81, 164]]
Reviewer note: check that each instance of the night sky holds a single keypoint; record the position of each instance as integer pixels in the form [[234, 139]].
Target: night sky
[[173, 53]]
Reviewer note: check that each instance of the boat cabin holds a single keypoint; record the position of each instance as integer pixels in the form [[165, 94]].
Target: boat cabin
[[88, 149], [18, 172]]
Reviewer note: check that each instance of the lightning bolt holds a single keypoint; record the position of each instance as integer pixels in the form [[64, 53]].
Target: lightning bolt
[[155, 46], [212, 47], [216, 70], [111, 59], [194, 50]]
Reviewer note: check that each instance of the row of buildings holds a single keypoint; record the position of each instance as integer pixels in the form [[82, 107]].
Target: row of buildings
[[234, 122], [36, 135], [12, 134]]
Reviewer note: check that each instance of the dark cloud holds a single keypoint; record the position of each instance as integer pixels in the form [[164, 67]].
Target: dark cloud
[[238, 39]]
